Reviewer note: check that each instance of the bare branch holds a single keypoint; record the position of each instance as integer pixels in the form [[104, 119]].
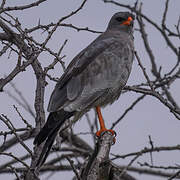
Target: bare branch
[[15, 8], [127, 110], [46, 27], [147, 150], [12, 128], [60, 20], [16, 158], [71, 162]]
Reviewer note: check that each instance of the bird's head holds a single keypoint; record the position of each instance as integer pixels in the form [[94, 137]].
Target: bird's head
[[122, 20]]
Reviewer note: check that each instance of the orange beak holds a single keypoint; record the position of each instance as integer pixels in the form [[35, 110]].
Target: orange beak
[[128, 21]]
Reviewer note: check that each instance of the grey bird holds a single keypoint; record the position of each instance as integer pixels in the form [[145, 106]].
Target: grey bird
[[93, 79]]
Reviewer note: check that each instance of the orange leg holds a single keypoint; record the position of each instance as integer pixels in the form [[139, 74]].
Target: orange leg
[[101, 122]]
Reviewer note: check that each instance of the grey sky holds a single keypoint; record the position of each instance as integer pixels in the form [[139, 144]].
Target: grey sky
[[149, 117]]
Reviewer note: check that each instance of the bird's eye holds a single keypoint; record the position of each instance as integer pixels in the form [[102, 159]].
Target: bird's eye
[[120, 19]]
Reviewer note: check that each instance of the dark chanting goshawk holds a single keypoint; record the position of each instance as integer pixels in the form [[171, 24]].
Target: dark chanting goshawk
[[93, 79]]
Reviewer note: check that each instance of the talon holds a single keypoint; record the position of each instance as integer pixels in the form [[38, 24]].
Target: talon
[[101, 131]]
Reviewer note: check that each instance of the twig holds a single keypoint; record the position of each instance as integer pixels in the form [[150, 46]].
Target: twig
[[147, 150], [158, 167], [22, 7], [165, 14], [13, 141], [46, 27], [14, 157], [71, 162], [129, 164], [2, 4], [60, 20], [10, 163], [158, 96], [127, 110], [147, 171], [12, 128], [174, 176], [16, 174], [5, 48], [25, 122], [24, 102], [144, 71], [147, 45], [152, 147]]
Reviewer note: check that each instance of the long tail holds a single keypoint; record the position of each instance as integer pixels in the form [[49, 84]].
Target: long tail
[[49, 131]]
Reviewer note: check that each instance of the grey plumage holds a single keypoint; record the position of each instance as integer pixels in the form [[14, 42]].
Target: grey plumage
[[95, 77]]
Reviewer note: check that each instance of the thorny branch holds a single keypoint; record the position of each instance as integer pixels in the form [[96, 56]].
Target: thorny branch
[[18, 41]]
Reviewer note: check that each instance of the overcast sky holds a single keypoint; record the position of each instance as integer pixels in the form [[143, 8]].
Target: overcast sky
[[149, 117]]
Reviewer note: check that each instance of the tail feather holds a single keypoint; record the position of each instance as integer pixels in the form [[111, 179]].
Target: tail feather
[[49, 131], [52, 122], [46, 149]]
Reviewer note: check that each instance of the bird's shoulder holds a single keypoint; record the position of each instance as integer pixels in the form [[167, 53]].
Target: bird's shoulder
[[85, 57]]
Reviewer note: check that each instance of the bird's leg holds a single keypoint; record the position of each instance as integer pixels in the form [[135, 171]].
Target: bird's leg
[[101, 122]]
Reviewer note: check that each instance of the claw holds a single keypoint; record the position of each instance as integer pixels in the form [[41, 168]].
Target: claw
[[101, 131]]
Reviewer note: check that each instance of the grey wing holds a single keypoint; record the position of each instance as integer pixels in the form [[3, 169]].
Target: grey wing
[[103, 79], [70, 84]]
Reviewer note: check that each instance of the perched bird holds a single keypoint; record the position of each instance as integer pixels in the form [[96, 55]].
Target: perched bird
[[94, 78]]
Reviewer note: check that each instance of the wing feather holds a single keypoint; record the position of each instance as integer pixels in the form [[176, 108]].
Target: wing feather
[[69, 83], [107, 73]]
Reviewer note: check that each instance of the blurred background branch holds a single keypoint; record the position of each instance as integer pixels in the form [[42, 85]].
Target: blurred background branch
[[29, 46]]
